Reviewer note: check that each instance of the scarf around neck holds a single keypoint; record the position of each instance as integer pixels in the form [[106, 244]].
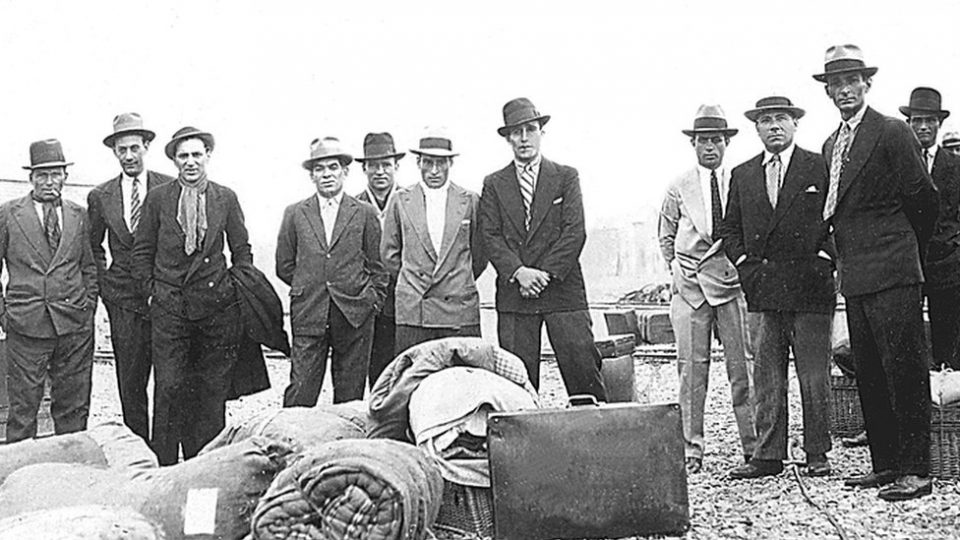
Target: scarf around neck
[[192, 213]]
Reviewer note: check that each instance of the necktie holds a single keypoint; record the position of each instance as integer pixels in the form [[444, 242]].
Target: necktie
[[773, 179], [836, 167], [526, 191], [716, 207], [927, 158], [51, 225], [135, 205]]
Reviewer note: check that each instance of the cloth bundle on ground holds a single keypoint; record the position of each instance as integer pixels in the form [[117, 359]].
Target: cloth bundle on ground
[[211, 496], [351, 490], [111, 444], [448, 418], [300, 427], [944, 387], [390, 396], [87, 522]]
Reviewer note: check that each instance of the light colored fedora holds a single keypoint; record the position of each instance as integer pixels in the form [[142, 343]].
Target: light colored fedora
[[435, 142], [128, 124], [710, 119], [771, 104], [844, 59], [326, 148]]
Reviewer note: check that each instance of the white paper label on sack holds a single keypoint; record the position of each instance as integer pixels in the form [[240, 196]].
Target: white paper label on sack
[[200, 512]]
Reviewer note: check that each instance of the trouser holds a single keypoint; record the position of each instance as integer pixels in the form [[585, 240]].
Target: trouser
[[408, 335], [68, 362], [571, 336], [192, 363], [944, 305], [887, 340], [384, 347], [350, 358], [808, 334], [693, 331], [130, 336]]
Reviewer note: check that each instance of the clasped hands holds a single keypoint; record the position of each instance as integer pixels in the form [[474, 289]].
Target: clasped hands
[[532, 281]]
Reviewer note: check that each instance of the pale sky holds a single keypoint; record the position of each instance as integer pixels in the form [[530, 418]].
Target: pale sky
[[620, 79]]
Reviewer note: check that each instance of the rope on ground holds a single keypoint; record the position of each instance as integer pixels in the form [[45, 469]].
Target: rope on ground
[[794, 447]]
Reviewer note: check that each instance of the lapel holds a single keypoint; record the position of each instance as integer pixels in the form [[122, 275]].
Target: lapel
[[548, 184], [28, 220], [692, 198], [415, 207], [348, 207], [865, 140], [941, 168], [755, 189], [457, 200], [68, 229], [113, 210], [793, 183], [310, 209], [510, 198]]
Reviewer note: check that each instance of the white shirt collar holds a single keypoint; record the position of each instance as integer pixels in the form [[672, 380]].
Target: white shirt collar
[[785, 155], [127, 180], [535, 164], [335, 200], [854, 122], [436, 192]]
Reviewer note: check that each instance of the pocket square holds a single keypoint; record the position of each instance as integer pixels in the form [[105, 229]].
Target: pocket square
[[812, 189], [558, 200], [465, 222]]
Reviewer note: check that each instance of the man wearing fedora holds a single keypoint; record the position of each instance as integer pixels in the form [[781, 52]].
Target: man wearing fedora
[[328, 252], [941, 271], [882, 206], [774, 233], [951, 142], [431, 243], [179, 259], [115, 208], [48, 306], [380, 162], [531, 222], [707, 292]]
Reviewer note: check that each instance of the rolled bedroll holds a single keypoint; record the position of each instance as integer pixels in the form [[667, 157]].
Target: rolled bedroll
[[86, 522]]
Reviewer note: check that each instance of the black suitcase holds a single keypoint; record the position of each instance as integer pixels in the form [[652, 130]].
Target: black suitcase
[[588, 471]]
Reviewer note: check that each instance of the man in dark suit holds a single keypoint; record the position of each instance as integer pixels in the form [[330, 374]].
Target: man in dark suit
[[882, 206], [775, 235], [48, 305], [179, 259], [380, 163], [941, 270], [531, 222], [431, 242], [328, 251], [115, 208]]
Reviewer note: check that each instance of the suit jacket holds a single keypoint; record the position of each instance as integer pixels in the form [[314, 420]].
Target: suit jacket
[[49, 293], [389, 303], [886, 207], [192, 286], [782, 270], [348, 272], [552, 244], [701, 270], [105, 211], [942, 267], [434, 289]]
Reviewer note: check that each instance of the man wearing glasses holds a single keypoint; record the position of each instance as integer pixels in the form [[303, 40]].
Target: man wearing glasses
[[707, 290], [432, 247]]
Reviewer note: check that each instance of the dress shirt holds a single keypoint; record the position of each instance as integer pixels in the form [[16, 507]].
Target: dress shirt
[[435, 200], [329, 208], [933, 156], [854, 123], [126, 190], [38, 206], [785, 156], [722, 182], [535, 164]]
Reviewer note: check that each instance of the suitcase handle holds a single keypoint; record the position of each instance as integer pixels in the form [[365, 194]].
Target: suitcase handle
[[580, 400]]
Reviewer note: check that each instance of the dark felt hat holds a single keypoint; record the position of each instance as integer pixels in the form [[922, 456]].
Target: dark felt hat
[[185, 133], [379, 146], [924, 101], [45, 154], [519, 111]]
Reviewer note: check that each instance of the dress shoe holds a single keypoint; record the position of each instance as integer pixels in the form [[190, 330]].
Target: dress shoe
[[907, 487], [694, 464], [757, 468], [860, 439], [871, 480], [817, 465]]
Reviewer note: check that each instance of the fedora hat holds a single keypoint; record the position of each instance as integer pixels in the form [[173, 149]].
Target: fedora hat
[[45, 154], [710, 119], [774, 103], [128, 124], [185, 133], [379, 146], [924, 100], [326, 148], [950, 139], [435, 142], [844, 59], [519, 111]]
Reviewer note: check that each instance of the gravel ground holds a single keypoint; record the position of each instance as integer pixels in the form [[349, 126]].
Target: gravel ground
[[720, 508]]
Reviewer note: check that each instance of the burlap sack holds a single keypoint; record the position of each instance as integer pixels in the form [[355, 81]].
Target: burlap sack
[[88, 522]]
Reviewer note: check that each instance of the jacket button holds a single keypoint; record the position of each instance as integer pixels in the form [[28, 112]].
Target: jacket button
[[327, 283], [210, 284], [206, 259], [765, 261], [796, 234], [756, 237], [328, 255]]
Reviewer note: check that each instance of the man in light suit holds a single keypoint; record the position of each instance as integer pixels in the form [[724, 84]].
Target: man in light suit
[[380, 163], [531, 221], [882, 206], [48, 305], [115, 208], [707, 288], [328, 251], [179, 259], [431, 243], [774, 233]]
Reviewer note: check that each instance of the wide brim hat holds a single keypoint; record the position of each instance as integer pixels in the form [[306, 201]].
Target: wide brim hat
[[379, 146], [519, 111], [772, 104], [710, 119], [327, 148], [185, 133], [841, 59], [435, 142], [46, 154], [128, 124], [950, 139], [924, 101]]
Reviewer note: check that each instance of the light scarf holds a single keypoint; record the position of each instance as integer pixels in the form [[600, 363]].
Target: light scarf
[[192, 213]]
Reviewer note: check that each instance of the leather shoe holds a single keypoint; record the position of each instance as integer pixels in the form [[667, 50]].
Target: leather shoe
[[907, 487], [757, 468], [860, 439], [694, 464], [871, 480], [817, 465]]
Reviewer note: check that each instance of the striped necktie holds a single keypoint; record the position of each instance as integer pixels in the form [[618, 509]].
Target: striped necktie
[[135, 205], [836, 167], [526, 191]]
